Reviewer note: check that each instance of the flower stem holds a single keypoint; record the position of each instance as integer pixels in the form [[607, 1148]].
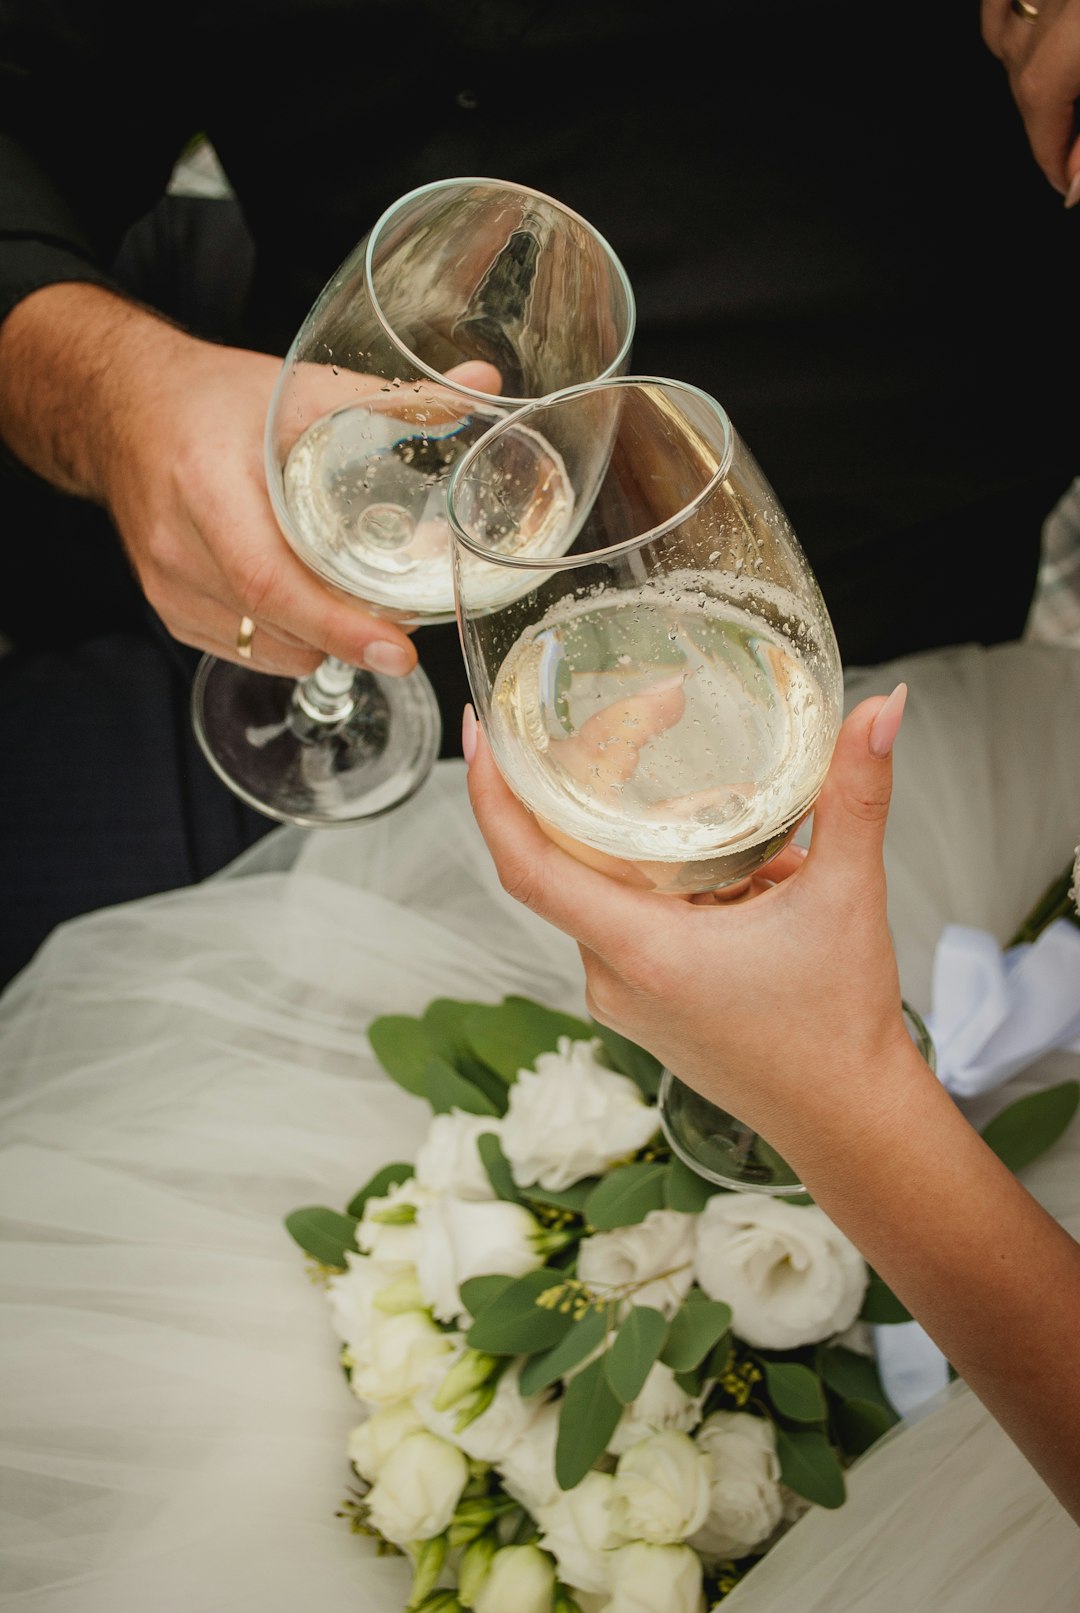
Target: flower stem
[[1056, 902]]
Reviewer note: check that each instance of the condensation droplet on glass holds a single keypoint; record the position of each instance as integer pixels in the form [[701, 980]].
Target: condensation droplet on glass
[[335, 369], [396, 382]]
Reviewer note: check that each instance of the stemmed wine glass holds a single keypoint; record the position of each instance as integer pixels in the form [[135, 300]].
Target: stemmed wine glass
[[656, 670], [370, 412]]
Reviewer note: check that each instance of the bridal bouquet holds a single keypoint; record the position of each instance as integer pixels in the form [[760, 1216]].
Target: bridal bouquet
[[585, 1378]]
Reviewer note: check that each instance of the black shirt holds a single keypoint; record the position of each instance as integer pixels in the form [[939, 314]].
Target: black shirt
[[829, 214]]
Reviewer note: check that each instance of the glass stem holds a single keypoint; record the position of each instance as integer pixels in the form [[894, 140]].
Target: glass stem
[[328, 694]]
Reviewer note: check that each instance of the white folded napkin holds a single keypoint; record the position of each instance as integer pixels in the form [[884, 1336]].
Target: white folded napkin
[[995, 1011]]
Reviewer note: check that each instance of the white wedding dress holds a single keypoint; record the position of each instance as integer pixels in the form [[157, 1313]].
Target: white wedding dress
[[181, 1072]]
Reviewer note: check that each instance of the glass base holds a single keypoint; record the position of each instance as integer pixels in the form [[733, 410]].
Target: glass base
[[715, 1145], [317, 772]]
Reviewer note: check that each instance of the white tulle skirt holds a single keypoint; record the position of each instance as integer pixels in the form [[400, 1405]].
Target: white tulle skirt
[[180, 1073]]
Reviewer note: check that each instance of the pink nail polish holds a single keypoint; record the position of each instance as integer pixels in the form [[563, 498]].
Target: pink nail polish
[[468, 735], [886, 725]]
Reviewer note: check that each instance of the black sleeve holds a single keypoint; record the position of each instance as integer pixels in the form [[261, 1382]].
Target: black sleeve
[[88, 138]]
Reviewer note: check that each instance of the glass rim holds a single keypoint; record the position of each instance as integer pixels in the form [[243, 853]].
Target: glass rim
[[520, 416], [385, 219]]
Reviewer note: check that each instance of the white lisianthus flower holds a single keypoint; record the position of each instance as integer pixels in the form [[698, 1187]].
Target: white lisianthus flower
[[396, 1357], [745, 1498], [657, 1253], [448, 1160], [572, 1117], [461, 1238], [521, 1578], [577, 1530], [661, 1489], [527, 1469], [789, 1275], [418, 1489], [351, 1295], [387, 1226], [488, 1437], [655, 1579], [379, 1435], [661, 1404]]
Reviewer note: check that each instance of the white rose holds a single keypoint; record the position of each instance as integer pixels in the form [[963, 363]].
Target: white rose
[[527, 1469], [572, 1117], [521, 1578], [745, 1499], [655, 1579], [448, 1160], [391, 1242], [418, 1489], [658, 1253], [578, 1531], [486, 1438], [661, 1489], [461, 1238], [379, 1435], [396, 1357], [351, 1295], [788, 1274], [661, 1404]]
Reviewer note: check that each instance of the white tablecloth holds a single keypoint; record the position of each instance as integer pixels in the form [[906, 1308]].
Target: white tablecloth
[[180, 1073]]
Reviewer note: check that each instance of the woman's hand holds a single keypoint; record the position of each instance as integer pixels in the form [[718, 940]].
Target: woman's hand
[[779, 1007], [1038, 43]]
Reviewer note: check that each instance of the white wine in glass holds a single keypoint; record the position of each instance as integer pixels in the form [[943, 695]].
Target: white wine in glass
[[661, 687], [467, 297]]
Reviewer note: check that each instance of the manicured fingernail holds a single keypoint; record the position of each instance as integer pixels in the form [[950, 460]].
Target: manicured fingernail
[[468, 735], [1072, 195], [390, 659], [886, 725]]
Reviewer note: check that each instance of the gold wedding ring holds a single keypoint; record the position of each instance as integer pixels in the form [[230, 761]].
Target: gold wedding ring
[[1022, 8], [244, 637]]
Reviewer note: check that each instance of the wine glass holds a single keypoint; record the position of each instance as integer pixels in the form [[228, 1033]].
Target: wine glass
[[368, 415], [651, 659]]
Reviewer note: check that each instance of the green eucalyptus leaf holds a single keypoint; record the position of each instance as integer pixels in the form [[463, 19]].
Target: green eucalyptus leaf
[[810, 1466], [512, 1323], [861, 1423], [325, 1235], [636, 1346], [580, 1339], [1028, 1127], [629, 1059], [696, 1327], [852, 1376], [590, 1411], [378, 1186], [497, 1166], [403, 1045], [880, 1305], [444, 1019], [508, 1037], [572, 1198], [627, 1195], [686, 1191], [476, 1292], [446, 1089], [795, 1391]]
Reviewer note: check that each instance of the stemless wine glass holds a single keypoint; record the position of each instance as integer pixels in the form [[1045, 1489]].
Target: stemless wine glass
[[651, 658], [363, 427]]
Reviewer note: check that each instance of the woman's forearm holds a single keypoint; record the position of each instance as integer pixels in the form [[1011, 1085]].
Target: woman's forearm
[[989, 1274]]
